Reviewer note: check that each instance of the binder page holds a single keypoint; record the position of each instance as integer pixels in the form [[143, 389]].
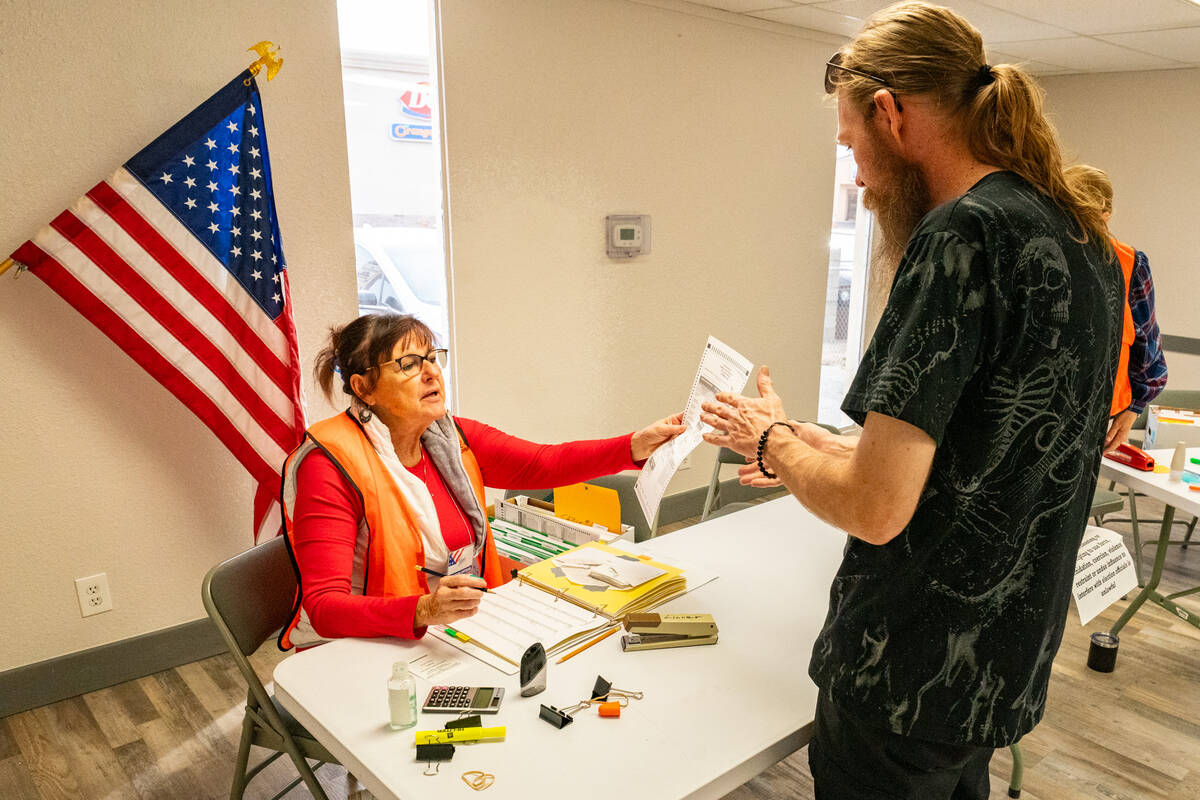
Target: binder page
[[722, 369], [514, 616]]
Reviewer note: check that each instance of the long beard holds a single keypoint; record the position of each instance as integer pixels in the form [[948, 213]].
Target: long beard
[[899, 202]]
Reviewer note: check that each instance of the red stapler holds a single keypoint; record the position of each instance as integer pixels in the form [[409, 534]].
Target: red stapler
[[1133, 456]]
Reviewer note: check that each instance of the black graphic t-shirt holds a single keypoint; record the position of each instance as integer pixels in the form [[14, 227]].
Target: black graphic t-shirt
[[1000, 341]]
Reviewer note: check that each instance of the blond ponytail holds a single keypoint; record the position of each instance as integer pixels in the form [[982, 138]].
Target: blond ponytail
[[1006, 126]]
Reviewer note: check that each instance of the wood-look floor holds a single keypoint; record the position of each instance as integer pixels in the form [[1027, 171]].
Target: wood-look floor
[[1131, 735]]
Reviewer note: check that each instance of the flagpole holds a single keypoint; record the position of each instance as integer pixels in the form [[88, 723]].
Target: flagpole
[[4, 267]]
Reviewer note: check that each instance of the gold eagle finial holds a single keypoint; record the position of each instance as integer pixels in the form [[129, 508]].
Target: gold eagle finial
[[268, 56]]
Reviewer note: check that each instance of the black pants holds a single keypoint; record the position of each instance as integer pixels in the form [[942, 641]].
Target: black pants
[[853, 761]]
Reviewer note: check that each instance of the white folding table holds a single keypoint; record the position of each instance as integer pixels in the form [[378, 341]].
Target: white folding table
[[712, 716], [1176, 495]]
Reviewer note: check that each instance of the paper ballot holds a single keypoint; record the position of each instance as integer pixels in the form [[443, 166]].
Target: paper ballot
[[722, 369]]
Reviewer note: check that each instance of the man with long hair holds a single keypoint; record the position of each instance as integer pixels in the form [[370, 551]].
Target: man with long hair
[[983, 399]]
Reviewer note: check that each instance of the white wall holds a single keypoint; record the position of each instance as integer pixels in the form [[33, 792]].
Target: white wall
[[1141, 127], [560, 113], [104, 470]]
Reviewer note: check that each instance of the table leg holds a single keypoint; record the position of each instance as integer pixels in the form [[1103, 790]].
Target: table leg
[[1137, 540], [1160, 555]]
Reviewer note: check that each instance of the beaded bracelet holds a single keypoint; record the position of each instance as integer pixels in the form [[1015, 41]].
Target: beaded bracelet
[[762, 445]]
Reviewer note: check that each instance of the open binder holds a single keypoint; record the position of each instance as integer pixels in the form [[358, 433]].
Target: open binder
[[609, 601], [544, 605]]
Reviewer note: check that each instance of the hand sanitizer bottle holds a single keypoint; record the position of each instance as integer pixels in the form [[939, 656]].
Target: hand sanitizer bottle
[[402, 697], [1178, 462]]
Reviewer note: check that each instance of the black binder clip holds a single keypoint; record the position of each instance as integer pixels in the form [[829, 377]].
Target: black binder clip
[[561, 718], [473, 721], [434, 754], [603, 688]]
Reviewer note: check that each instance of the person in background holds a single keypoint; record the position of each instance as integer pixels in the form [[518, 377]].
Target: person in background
[[1142, 368], [983, 399], [396, 484]]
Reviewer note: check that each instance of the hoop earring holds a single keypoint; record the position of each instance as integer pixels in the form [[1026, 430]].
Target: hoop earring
[[364, 415]]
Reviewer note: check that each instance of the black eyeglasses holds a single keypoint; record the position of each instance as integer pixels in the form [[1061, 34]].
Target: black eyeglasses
[[835, 63], [412, 363]]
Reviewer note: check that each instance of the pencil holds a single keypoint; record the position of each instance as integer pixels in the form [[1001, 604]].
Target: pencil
[[442, 575], [583, 647]]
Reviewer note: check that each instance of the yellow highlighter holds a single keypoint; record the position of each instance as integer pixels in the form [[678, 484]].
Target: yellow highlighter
[[459, 735]]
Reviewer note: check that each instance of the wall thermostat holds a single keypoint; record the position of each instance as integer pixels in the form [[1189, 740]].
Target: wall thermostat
[[628, 235]]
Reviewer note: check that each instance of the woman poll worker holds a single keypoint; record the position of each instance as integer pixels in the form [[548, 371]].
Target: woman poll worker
[[381, 500]]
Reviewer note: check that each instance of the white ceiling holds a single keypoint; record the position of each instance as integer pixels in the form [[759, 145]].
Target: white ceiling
[[1049, 37]]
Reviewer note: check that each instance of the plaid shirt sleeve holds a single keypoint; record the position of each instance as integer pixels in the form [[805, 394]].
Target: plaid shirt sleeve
[[1147, 364]]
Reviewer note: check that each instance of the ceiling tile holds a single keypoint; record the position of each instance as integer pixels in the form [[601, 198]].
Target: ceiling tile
[[1083, 54], [993, 23], [1030, 65], [813, 18], [1181, 44], [1104, 16]]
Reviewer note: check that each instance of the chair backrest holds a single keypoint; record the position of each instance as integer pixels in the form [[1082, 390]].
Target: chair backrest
[[251, 595], [727, 456], [536, 494], [631, 507]]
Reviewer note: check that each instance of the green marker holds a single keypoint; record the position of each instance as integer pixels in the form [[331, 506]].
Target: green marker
[[1194, 460]]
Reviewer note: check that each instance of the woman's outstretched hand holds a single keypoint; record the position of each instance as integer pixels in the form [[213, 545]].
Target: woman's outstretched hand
[[655, 435]]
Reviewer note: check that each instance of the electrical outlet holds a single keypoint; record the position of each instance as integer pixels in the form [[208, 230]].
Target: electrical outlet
[[686, 463], [94, 597]]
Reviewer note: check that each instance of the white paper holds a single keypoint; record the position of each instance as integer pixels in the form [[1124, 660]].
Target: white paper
[[722, 369], [428, 666], [599, 569], [1103, 572], [515, 615]]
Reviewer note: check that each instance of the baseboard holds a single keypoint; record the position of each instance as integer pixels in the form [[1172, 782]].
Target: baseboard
[[74, 674], [1181, 344]]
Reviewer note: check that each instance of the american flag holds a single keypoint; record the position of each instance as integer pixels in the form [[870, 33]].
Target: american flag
[[176, 257]]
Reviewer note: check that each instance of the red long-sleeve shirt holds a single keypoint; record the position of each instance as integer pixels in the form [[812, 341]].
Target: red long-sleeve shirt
[[328, 510]]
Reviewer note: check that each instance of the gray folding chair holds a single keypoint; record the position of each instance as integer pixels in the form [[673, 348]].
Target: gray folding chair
[[249, 598], [729, 508], [726, 456], [713, 499]]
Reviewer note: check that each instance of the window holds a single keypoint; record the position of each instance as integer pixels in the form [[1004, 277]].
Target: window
[[389, 85], [845, 292]]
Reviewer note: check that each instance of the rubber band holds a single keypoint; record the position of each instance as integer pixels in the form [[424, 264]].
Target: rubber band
[[478, 779]]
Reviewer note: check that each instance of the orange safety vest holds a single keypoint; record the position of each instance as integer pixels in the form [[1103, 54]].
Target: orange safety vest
[[389, 543], [1122, 391]]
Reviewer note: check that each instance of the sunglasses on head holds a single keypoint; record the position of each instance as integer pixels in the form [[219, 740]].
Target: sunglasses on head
[[835, 63]]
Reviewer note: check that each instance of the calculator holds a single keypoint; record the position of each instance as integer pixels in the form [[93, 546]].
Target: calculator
[[453, 699]]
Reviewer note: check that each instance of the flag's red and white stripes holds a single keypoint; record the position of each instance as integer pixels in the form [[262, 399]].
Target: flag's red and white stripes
[[128, 265]]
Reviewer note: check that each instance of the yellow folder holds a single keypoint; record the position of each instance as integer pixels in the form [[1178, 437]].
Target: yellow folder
[[589, 505]]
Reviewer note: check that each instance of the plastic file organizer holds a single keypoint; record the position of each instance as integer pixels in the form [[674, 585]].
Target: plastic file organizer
[[539, 516], [1166, 427], [525, 545]]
